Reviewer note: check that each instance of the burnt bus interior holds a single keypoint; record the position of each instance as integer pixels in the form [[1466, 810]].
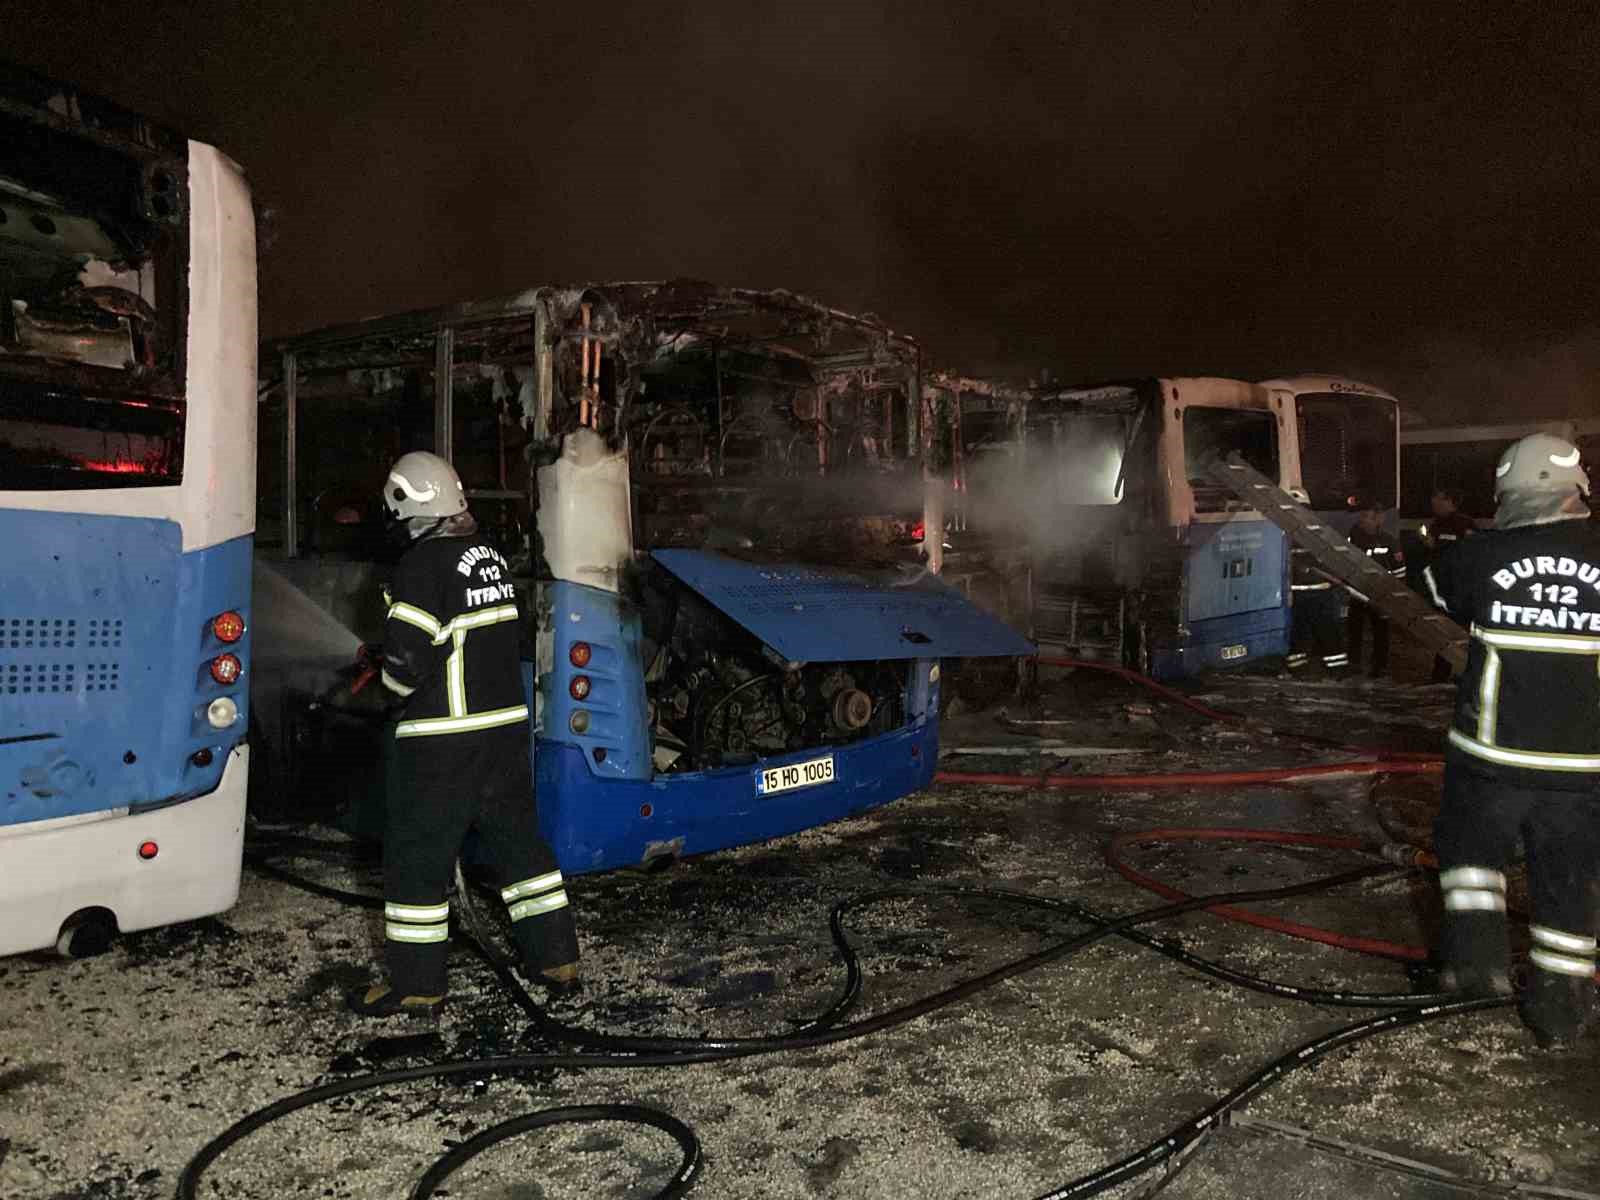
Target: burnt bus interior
[[93, 259], [759, 424], [1062, 524], [1090, 454], [1054, 500]]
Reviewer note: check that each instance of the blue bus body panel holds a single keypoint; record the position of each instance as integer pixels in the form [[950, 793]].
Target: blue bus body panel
[[818, 614], [615, 743], [1233, 568], [1235, 593], [105, 646], [597, 825]]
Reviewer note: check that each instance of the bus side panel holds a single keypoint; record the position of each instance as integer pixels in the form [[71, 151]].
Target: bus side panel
[[56, 868], [600, 825]]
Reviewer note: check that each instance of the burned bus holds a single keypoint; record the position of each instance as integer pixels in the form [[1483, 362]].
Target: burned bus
[[713, 500], [1084, 513]]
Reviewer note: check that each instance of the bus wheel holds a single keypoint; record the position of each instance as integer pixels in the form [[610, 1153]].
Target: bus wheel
[[86, 933]]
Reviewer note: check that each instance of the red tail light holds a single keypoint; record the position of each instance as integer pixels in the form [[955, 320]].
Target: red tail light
[[579, 687], [918, 532], [148, 850], [226, 669], [228, 626], [580, 654]]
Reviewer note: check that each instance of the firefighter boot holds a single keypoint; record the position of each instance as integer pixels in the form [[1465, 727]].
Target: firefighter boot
[[1477, 958], [381, 1000], [1557, 1009], [561, 981]]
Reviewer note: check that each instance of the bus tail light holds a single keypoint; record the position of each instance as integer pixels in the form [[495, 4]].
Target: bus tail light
[[226, 669], [580, 654], [228, 627], [222, 712], [579, 687], [148, 850]]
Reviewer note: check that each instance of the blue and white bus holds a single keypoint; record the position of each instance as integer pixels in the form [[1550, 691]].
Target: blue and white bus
[[127, 507]]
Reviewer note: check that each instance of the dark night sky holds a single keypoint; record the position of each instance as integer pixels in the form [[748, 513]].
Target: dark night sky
[[1401, 191]]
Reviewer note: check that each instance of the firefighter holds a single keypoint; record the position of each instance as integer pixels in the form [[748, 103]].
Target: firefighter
[[459, 758], [1369, 537], [1317, 630], [1449, 524], [1524, 754], [1447, 527]]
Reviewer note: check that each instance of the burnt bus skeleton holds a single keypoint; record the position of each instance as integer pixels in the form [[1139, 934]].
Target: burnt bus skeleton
[[769, 434], [708, 499]]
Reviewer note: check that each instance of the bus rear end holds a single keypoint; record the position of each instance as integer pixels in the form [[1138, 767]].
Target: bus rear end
[[1136, 558], [127, 336], [1233, 603], [779, 696], [737, 636]]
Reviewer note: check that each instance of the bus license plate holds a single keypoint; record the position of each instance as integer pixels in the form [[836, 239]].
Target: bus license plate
[[1232, 652], [796, 775]]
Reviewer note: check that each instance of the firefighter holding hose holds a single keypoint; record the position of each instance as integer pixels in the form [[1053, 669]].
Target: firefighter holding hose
[[459, 758], [1524, 755]]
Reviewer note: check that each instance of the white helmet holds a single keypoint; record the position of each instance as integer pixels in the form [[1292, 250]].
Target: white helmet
[[423, 485], [1541, 463]]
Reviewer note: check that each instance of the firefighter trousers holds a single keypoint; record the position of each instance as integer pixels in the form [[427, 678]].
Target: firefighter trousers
[[1481, 821], [439, 789], [1360, 618], [1317, 631]]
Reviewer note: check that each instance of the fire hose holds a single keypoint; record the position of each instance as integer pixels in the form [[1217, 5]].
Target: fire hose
[[599, 1050], [1388, 762]]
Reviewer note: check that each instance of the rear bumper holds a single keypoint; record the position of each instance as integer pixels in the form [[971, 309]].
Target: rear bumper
[[52, 869], [1262, 634], [601, 824]]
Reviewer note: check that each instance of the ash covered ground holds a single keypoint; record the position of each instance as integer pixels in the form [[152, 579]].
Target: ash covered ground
[[114, 1071]]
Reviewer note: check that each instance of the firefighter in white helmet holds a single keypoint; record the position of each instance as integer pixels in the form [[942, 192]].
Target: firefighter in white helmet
[[1524, 755], [460, 758]]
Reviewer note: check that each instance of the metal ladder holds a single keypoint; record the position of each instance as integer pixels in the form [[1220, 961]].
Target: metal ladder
[[1333, 553]]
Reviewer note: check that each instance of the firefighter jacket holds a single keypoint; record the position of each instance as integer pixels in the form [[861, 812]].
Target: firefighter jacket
[[1445, 531], [1382, 547], [452, 643], [1528, 705]]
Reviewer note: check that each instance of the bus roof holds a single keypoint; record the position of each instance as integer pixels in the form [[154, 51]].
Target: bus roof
[[1303, 384], [775, 318]]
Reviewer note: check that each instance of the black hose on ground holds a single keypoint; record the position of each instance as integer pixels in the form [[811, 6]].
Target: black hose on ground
[[613, 1051]]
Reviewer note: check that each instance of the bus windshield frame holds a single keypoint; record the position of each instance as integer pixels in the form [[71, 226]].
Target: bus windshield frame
[[94, 265], [1349, 449]]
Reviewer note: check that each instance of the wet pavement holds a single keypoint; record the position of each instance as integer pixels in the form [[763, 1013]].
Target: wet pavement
[[114, 1071]]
